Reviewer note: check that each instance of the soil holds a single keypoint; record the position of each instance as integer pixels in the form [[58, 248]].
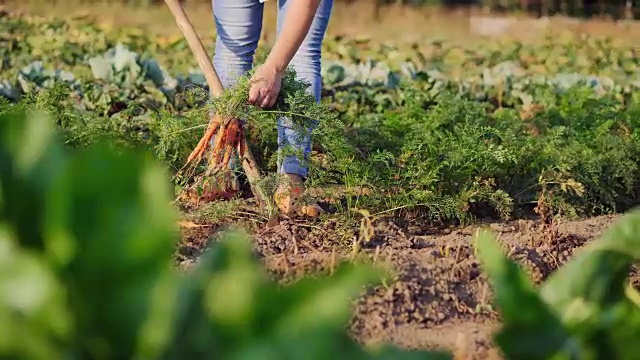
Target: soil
[[440, 298]]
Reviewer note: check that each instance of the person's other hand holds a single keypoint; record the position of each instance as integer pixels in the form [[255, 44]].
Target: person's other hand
[[265, 86]]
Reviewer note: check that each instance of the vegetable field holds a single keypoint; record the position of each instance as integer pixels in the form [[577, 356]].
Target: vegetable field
[[479, 203]]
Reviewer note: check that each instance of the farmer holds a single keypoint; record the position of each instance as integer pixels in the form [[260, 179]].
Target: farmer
[[301, 27]]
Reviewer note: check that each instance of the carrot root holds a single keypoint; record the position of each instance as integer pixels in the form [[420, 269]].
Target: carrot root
[[232, 136], [206, 138]]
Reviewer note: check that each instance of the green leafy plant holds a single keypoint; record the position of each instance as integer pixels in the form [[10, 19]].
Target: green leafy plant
[[446, 131], [87, 238], [585, 310]]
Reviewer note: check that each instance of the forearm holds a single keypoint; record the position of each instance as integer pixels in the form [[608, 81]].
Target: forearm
[[294, 29]]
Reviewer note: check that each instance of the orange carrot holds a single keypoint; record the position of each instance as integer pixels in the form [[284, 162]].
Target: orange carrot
[[241, 143], [232, 138], [211, 129], [215, 156]]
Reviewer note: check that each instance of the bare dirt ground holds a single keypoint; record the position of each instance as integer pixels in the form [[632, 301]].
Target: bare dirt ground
[[439, 297]]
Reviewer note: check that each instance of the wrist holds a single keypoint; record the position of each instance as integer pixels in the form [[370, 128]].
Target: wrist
[[278, 66]]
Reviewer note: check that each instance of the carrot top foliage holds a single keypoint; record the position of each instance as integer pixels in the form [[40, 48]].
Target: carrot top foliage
[[449, 133]]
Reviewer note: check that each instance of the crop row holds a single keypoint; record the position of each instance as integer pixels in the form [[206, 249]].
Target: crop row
[[34, 49], [448, 131]]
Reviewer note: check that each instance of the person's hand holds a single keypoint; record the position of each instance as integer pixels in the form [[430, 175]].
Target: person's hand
[[265, 86]]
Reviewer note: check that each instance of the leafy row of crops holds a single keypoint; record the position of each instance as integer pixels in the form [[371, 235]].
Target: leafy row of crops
[[447, 130], [481, 72]]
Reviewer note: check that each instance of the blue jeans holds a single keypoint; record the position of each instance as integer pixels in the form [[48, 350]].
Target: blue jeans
[[239, 24]]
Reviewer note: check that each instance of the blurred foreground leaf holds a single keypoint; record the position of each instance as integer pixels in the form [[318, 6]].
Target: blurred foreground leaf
[[581, 311], [86, 240]]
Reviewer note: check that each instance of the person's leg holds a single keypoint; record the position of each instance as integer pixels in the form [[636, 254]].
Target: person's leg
[[238, 27], [306, 63]]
